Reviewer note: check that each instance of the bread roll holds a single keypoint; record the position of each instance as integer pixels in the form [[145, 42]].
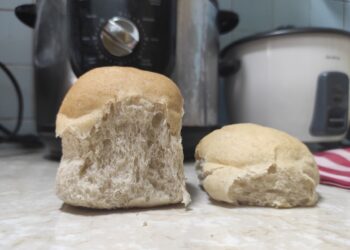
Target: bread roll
[[120, 130], [247, 164]]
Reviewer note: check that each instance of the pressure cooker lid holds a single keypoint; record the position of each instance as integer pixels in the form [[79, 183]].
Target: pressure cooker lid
[[284, 31]]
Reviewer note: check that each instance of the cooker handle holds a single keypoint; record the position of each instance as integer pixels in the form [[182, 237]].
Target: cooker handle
[[26, 13], [226, 21], [229, 67]]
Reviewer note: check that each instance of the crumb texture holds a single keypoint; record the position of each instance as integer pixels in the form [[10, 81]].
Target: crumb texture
[[129, 159]]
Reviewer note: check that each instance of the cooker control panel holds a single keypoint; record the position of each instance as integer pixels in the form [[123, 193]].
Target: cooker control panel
[[136, 33], [332, 105]]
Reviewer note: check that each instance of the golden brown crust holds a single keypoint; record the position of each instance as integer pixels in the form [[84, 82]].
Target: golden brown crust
[[254, 165], [244, 145], [96, 88]]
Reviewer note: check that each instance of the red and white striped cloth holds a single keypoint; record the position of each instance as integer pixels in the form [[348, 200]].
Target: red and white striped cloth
[[334, 166]]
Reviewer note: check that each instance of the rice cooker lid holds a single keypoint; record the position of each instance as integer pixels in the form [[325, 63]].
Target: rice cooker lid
[[284, 31]]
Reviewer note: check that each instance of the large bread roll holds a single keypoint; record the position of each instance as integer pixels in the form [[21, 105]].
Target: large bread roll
[[247, 164], [120, 130]]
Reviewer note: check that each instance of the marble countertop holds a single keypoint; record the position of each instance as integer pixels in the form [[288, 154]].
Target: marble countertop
[[32, 217]]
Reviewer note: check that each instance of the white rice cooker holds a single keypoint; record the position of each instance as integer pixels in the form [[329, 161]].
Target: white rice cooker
[[292, 79]]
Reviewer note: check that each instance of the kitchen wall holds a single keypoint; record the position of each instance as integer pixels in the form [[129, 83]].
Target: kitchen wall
[[16, 40], [263, 15]]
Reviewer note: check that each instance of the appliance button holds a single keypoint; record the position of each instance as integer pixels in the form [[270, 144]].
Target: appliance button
[[336, 118], [338, 99]]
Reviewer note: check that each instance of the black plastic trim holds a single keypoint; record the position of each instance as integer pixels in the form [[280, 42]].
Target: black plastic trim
[[26, 13], [226, 21]]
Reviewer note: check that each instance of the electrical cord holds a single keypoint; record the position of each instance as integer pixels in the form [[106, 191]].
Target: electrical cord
[[12, 136], [15, 84]]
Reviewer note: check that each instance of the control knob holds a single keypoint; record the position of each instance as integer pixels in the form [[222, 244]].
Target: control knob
[[119, 36]]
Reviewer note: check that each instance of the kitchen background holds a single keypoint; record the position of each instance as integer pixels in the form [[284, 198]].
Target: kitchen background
[[16, 40]]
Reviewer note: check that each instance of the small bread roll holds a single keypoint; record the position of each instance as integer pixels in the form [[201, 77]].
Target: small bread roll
[[120, 130], [247, 164]]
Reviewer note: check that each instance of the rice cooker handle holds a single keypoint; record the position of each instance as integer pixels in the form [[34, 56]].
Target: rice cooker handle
[[26, 13], [229, 67], [226, 21]]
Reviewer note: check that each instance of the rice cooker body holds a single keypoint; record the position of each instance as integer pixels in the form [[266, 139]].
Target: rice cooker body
[[297, 83]]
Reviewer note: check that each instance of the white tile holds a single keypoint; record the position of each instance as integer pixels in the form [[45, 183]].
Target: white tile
[[11, 4], [327, 13], [28, 126], [8, 97], [287, 12], [347, 16], [254, 14], [225, 40], [239, 34], [225, 4], [16, 40]]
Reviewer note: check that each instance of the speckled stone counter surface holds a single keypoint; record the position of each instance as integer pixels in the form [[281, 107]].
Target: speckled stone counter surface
[[32, 217]]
